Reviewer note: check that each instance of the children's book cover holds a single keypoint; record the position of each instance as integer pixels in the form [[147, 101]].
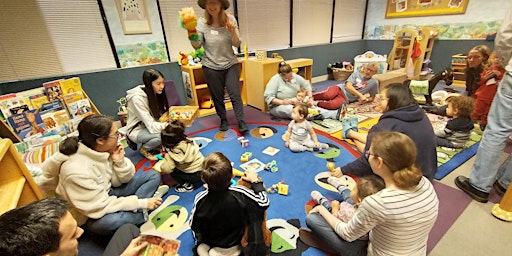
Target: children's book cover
[[85, 107], [70, 85], [253, 164], [53, 90], [27, 124], [158, 245], [38, 100], [12, 104], [55, 118], [270, 151], [51, 105]]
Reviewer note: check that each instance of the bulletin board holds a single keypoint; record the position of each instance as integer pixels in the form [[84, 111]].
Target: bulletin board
[[415, 8]]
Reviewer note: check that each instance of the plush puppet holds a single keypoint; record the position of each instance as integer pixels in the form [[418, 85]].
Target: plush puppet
[[188, 20], [257, 238]]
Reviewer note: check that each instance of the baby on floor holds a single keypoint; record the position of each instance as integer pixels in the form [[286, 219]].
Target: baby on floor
[[302, 137]]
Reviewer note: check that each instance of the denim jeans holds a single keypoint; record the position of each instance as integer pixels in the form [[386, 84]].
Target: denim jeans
[[143, 185], [487, 168], [345, 197], [323, 230], [149, 140]]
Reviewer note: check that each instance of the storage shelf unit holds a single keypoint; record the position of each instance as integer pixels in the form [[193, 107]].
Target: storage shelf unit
[[459, 68], [198, 89], [17, 187], [260, 72]]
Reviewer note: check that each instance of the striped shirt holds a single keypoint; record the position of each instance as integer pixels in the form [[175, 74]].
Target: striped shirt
[[399, 221]]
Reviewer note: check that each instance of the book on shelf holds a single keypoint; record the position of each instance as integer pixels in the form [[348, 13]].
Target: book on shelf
[[27, 124], [54, 118], [38, 100], [80, 108], [70, 85], [72, 97], [12, 104], [53, 90]]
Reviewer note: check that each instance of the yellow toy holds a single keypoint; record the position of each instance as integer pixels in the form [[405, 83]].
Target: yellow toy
[[237, 172], [188, 20], [280, 188]]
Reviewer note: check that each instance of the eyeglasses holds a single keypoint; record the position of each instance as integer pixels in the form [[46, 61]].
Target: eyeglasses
[[367, 154], [115, 135]]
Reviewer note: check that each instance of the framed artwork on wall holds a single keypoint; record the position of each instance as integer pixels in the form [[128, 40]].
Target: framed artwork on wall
[[415, 8], [134, 16]]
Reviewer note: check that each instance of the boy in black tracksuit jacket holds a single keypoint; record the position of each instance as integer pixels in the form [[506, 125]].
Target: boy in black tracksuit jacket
[[221, 212]]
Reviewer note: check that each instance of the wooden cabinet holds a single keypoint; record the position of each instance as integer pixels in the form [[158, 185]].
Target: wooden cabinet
[[17, 187], [426, 38], [196, 89], [259, 73], [402, 49]]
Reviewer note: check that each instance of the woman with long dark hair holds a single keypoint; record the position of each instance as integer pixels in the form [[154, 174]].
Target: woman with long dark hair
[[93, 174], [146, 104]]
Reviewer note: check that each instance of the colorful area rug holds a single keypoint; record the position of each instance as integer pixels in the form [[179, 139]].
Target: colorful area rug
[[301, 172]]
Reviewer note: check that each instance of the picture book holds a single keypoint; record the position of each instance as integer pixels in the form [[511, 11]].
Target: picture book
[[158, 245], [52, 90], [55, 118], [270, 151], [80, 108], [70, 85], [72, 97], [5, 101], [38, 100], [27, 124], [12, 104], [253, 164], [51, 105]]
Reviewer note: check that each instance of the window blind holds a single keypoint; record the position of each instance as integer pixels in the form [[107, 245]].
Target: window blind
[[349, 16], [311, 22]]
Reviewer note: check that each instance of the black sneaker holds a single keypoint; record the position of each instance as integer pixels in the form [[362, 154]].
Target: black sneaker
[[224, 126], [183, 188], [500, 190], [463, 183], [242, 127]]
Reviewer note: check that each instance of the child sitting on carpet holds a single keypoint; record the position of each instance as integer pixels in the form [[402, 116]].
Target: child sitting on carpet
[[350, 200], [222, 212], [458, 129], [300, 130], [302, 97], [182, 159]]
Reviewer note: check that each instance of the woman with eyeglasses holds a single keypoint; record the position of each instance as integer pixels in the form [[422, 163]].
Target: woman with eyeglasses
[[400, 113], [92, 173], [399, 217], [283, 87]]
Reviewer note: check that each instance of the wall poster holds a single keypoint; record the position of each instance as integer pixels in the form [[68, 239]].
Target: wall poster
[[415, 8]]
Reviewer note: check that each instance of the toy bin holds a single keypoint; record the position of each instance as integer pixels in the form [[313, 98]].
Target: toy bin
[[360, 61], [341, 74], [186, 114]]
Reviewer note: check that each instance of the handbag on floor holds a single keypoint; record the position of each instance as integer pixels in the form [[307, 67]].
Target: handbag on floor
[[132, 143]]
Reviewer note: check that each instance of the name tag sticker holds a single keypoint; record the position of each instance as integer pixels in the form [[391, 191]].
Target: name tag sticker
[[214, 32]]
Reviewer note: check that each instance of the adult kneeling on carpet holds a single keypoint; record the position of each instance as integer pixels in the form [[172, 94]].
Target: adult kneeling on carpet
[[146, 104], [93, 175], [401, 113], [392, 157]]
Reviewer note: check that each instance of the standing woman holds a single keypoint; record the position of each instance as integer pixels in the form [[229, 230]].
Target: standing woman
[[146, 104], [218, 34]]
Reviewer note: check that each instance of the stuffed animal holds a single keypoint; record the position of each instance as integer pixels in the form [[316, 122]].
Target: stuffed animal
[[188, 20], [252, 240]]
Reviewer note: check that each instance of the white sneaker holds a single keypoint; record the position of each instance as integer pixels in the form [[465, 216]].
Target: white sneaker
[[161, 191]]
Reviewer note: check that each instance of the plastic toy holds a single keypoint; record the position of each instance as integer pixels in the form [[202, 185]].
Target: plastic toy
[[237, 172], [330, 165], [271, 166], [245, 157], [243, 141], [183, 60], [280, 188], [188, 20]]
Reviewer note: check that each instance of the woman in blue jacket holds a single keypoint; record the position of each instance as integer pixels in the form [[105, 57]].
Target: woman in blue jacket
[[401, 113]]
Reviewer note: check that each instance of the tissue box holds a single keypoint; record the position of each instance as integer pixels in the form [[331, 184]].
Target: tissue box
[[360, 62]]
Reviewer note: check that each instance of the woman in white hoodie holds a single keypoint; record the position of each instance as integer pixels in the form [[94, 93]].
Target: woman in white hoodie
[[99, 182], [146, 104]]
